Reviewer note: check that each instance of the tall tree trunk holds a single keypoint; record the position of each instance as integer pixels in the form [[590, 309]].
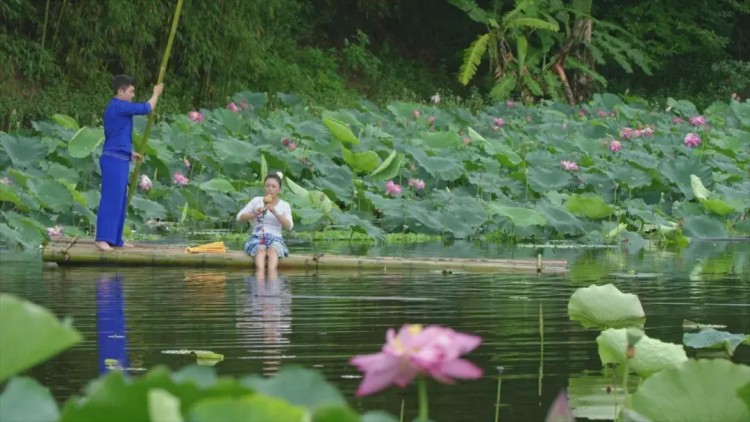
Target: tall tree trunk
[[583, 84]]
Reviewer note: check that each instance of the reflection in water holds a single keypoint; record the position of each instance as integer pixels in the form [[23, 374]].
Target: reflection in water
[[266, 321], [112, 341]]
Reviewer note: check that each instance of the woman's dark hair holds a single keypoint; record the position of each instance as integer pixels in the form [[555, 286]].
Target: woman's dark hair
[[275, 176], [122, 82]]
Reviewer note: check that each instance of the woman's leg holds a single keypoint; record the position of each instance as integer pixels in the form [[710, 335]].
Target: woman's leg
[[273, 258], [260, 259]]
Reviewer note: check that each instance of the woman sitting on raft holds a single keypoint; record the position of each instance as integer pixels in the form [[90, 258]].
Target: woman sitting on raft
[[268, 214]]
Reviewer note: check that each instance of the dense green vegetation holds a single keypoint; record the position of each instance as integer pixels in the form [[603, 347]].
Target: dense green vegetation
[[607, 171], [59, 55]]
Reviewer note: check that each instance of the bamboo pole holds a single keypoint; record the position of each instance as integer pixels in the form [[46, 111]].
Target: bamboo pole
[[87, 254], [160, 79]]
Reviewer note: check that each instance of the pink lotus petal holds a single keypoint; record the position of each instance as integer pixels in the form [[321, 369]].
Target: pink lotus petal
[[614, 146], [460, 368], [698, 120], [560, 410], [415, 114], [510, 104], [233, 107], [195, 116], [145, 182]]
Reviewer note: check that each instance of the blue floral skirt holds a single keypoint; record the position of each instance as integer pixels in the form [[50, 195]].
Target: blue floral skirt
[[264, 241]]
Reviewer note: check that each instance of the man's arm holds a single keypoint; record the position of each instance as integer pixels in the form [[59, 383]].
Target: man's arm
[[158, 89], [139, 109]]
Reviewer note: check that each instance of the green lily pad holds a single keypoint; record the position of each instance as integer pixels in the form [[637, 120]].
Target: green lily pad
[[85, 141], [24, 399], [589, 206], [389, 168], [651, 355], [340, 131], [702, 390], [217, 184], [709, 338], [31, 334], [605, 307]]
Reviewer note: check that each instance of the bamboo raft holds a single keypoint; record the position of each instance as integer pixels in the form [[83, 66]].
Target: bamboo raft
[[69, 252]]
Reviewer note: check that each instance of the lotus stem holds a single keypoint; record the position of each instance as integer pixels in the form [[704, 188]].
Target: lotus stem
[[423, 405], [160, 79], [499, 389], [401, 418], [541, 348]]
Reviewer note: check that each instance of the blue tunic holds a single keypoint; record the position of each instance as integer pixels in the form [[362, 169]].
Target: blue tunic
[[115, 166]]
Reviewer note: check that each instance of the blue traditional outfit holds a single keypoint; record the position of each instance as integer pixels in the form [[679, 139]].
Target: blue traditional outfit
[[267, 228], [115, 165]]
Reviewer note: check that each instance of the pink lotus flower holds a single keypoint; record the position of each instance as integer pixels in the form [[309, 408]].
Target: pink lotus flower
[[416, 114], [510, 104], [569, 165], [432, 351], [195, 116], [677, 120], [431, 120], [435, 98], [697, 120], [392, 188], [145, 182], [466, 140], [233, 107], [581, 112], [614, 146], [560, 410], [54, 232], [630, 133], [602, 113], [285, 142], [497, 121], [5, 181], [292, 146], [417, 184], [692, 140], [179, 179]]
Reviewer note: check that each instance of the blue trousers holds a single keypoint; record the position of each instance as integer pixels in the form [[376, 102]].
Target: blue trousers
[[110, 218]]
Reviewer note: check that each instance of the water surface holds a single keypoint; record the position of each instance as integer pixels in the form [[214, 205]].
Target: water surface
[[321, 320]]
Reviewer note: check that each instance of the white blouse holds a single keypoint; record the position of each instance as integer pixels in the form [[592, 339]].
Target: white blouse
[[270, 223]]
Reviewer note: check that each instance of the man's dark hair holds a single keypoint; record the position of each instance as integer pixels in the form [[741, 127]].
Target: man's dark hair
[[122, 82]]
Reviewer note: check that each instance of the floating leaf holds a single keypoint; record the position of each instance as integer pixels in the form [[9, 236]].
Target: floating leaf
[[605, 307], [704, 227], [709, 338], [30, 335], [651, 355], [590, 206], [340, 131], [702, 390], [690, 325]]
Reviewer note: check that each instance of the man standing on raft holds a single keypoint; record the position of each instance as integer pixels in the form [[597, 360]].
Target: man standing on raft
[[116, 157]]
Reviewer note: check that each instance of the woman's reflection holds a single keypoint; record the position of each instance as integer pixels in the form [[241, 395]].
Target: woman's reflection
[[267, 321], [112, 341]]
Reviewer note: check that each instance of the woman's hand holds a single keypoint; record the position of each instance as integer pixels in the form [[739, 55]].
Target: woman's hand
[[258, 212]]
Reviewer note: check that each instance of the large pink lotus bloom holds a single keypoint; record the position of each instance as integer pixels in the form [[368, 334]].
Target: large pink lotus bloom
[[145, 183], [195, 116], [432, 351], [614, 146], [415, 114], [569, 165], [417, 184], [233, 107], [179, 179], [435, 98], [54, 232], [627, 133], [692, 140], [392, 188], [697, 120]]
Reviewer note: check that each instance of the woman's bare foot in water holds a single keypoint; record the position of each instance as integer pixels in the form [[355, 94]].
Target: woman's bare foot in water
[[103, 246]]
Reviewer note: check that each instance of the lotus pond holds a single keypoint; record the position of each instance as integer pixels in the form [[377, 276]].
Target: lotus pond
[[691, 303]]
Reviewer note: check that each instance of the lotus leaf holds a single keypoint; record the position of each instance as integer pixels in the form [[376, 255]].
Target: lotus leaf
[[24, 399], [695, 390], [709, 338], [31, 335], [389, 168], [651, 355], [217, 184], [605, 306], [590, 206], [340, 131]]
